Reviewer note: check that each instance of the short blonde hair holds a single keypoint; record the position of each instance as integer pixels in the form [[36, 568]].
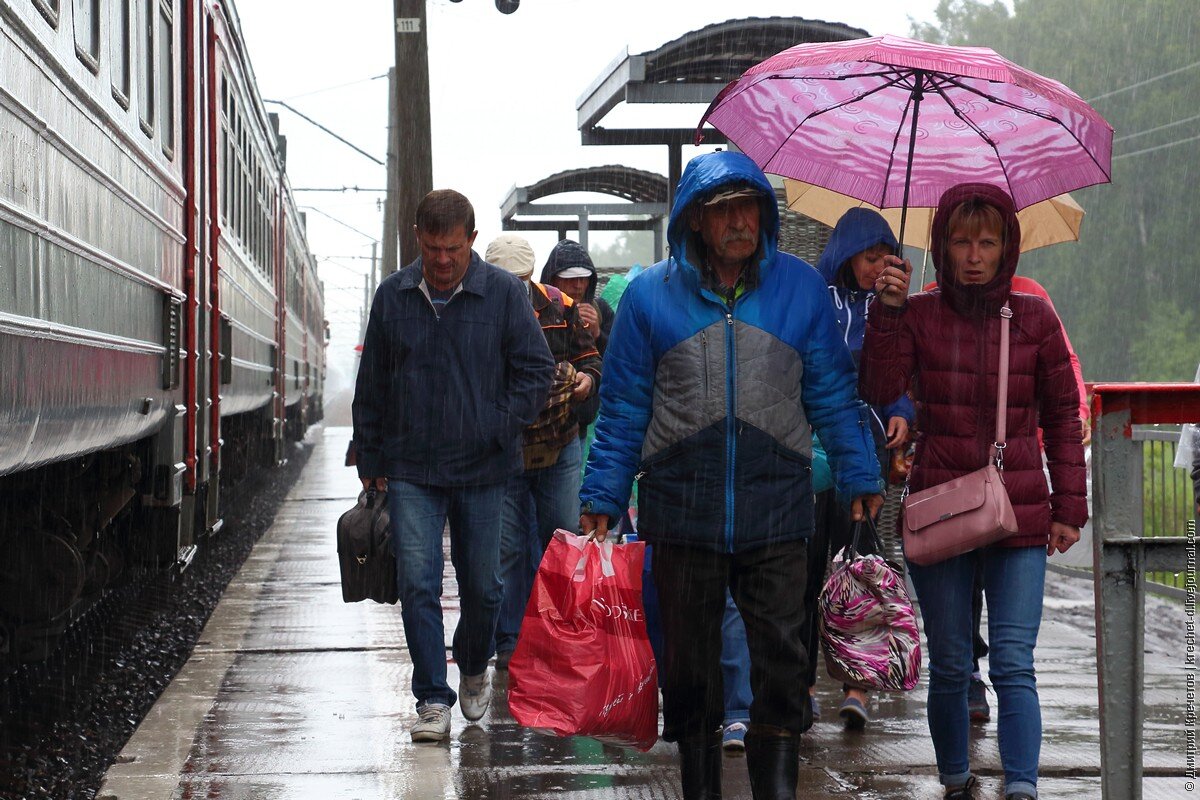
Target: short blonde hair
[[974, 215]]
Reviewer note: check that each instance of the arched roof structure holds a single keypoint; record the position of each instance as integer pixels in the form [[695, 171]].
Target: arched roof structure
[[691, 69], [721, 52], [634, 185], [645, 194]]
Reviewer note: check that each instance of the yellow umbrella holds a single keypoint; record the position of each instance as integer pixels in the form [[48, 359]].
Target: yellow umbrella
[[1049, 222]]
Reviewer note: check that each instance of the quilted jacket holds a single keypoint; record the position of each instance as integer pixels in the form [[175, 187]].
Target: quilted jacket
[[713, 405], [945, 344]]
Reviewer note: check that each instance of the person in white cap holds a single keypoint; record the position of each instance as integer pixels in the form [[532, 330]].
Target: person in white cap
[[545, 496], [569, 269]]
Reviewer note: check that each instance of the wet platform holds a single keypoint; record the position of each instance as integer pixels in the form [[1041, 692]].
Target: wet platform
[[294, 694]]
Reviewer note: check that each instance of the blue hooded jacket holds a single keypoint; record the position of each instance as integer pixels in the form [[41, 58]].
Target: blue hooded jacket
[[858, 229], [713, 405]]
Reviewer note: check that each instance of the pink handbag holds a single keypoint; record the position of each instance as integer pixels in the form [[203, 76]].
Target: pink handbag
[[971, 511]]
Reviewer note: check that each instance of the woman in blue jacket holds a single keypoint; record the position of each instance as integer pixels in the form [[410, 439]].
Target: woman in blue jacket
[[850, 264]]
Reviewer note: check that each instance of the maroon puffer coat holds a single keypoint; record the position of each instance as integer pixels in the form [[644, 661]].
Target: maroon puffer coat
[[945, 345]]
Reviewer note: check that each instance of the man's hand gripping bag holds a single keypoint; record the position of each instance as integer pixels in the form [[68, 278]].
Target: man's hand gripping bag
[[583, 664]]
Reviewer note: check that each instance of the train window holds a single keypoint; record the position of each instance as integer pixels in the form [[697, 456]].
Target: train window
[[87, 33], [223, 174], [256, 221], [239, 196], [226, 354], [166, 77], [146, 62], [120, 53], [256, 245], [48, 9]]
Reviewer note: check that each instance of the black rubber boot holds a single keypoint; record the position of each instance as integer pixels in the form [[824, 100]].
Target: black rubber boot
[[774, 766], [700, 767]]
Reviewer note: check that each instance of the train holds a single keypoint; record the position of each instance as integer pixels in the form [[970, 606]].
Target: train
[[162, 327]]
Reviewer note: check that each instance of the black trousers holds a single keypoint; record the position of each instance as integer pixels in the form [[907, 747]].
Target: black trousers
[[767, 585]]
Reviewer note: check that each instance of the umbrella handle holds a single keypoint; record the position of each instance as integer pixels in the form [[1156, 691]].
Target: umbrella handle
[[917, 94]]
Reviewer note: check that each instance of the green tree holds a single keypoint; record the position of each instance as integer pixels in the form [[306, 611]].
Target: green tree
[[1129, 292], [627, 249]]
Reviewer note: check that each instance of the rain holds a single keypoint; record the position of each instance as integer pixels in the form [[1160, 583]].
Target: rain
[[509, 84]]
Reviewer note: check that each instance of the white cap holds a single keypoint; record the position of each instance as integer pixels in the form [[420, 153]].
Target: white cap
[[511, 252], [574, 272]]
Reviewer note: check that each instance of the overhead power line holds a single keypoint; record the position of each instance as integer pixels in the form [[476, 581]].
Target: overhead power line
[[1157, 128], [339, 86], [337, 189], [1139, 84], [312, 121], [1158, 147], [351, 270], [339, 222]]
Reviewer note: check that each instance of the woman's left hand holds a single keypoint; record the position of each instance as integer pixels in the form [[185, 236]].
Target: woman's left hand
[[897, 432], [1062, 536]]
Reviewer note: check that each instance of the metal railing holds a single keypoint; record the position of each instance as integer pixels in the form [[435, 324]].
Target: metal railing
[[1166, 492], [1125, 550]]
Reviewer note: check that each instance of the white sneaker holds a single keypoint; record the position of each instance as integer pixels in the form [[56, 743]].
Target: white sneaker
[[433, 724], [474, 695]]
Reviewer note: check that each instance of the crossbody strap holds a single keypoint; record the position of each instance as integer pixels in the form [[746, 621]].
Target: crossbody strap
[[1002, 390]]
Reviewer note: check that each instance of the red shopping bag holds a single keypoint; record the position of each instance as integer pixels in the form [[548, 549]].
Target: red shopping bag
[[583, 664]]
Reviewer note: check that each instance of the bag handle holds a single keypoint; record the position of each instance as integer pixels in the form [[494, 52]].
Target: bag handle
[[1002, 390], [606, 565], [372, 495], [867, 523]]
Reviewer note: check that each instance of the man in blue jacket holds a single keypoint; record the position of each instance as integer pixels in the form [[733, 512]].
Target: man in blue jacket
[[454, 367], [722, 361]]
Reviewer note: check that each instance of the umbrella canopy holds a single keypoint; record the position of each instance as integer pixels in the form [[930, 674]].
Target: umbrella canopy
[[1049, 222], [895, 122]]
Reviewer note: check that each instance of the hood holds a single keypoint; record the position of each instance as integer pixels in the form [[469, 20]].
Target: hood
[[857, 230], [565, 255], [987, 299], [702, 178]]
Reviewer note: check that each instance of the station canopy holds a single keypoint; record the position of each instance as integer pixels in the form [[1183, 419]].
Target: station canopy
[[644, 206]]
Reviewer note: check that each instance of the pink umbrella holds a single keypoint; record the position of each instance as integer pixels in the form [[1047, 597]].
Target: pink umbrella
[[894, 122]]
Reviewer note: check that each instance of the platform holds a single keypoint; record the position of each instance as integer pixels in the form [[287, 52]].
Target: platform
[[292, 693]]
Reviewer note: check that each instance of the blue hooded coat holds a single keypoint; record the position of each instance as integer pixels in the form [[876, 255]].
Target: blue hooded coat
[[858, 229], [713, 404]]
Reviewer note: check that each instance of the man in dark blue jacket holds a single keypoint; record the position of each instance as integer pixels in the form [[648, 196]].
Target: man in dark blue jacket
[[454, 367], [722, 362]]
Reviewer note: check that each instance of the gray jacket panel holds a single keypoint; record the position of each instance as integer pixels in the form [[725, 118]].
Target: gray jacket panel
[[768, 388], [689, 389]]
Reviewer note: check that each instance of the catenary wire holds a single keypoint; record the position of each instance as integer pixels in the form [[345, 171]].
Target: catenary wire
[[1157, 147], [1144, 82]]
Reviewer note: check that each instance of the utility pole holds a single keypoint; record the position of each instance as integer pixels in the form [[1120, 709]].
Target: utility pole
[[410, 125], [374, 283], [392, 198]]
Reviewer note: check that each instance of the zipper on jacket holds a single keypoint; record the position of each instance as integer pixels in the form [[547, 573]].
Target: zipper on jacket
[[730, 420], [704, 356], [981, 392]]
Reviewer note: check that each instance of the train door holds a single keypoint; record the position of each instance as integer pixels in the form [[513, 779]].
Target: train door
[[216, 335]]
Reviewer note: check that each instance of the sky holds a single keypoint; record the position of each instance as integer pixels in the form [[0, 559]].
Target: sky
[[503, 92]]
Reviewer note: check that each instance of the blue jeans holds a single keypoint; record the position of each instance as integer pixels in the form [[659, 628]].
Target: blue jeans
[[419, 516], [536, 502], [735, 665], [1013, 581]]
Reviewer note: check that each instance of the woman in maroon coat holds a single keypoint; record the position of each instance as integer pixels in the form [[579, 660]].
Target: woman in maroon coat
[[944, 345]]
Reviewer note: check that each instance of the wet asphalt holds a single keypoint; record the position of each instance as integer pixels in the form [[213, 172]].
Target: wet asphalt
[[292, 693]]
